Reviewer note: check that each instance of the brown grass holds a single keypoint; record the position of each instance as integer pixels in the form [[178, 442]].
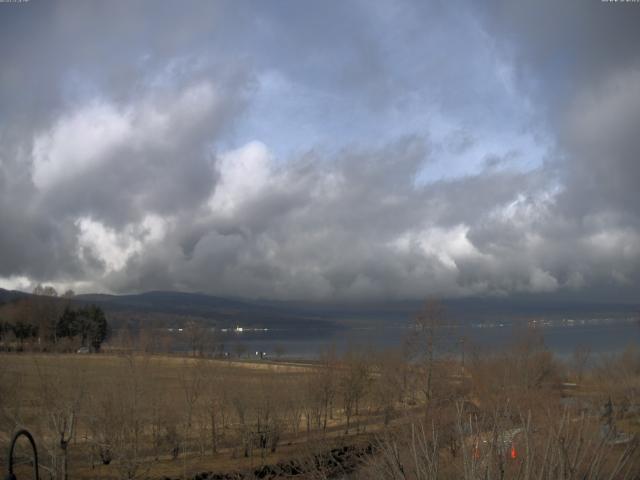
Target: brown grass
[[25, 375]]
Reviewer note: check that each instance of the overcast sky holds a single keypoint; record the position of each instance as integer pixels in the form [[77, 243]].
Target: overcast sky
[[321, 149]]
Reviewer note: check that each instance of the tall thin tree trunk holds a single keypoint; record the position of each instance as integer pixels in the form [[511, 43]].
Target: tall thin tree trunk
[[214, 432], [65, 462]]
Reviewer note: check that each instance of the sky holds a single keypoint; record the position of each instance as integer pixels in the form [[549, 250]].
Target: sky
[[334, 150]]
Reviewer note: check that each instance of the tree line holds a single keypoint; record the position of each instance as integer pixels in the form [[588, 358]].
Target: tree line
[[46, 321]]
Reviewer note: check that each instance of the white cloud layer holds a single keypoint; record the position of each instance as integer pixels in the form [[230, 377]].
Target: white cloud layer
[[77, 143]]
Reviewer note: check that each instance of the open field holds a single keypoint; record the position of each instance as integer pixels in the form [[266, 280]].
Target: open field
[[135, 416], [169, 415]]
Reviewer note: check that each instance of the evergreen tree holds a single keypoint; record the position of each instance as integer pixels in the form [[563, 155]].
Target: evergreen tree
[[89, 323], [98, 327], [67, 324]]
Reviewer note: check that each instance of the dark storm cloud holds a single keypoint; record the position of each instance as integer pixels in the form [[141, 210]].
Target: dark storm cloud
[[585, 67], [321, 150], [355, 226], [561, 47]]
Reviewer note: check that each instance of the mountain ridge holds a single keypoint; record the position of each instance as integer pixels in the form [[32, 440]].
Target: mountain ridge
[[266, 312]]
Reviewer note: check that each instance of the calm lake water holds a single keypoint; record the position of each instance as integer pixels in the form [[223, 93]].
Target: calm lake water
[[601, 336]]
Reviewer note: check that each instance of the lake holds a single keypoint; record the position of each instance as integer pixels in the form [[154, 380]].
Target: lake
[[601, 336]]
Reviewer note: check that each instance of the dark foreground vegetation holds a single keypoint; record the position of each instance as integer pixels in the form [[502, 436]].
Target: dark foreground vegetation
[[46, 322], [418, 412]]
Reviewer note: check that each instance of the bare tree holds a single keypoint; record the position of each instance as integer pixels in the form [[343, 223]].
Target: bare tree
[[123, 414], [62, 398], [502, 446], [354, 382], [581, 356], [424, 342], [240, 349], [191, 378], [390, 383], [199, 337]]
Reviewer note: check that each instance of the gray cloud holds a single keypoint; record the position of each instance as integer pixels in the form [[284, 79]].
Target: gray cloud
[[296, 150], [358, 226]]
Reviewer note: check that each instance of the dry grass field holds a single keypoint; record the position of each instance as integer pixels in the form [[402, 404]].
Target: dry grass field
[[139, 416], [131, 416]]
